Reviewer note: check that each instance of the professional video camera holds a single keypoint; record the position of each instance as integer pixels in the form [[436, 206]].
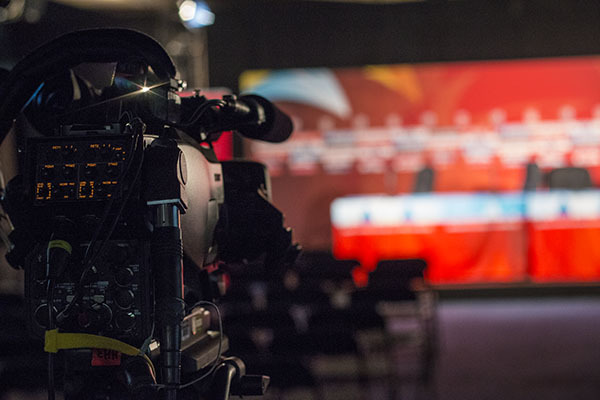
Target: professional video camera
[[123, 216]]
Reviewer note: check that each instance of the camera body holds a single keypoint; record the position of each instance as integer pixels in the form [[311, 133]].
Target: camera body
[[74, 177], [123, 213]]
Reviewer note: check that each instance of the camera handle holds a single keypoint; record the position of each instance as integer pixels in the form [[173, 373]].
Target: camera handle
[[166, 261], [165, 195]]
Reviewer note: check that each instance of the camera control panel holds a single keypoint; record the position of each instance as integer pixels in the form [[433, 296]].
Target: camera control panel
[[78, 169], [115, 301]]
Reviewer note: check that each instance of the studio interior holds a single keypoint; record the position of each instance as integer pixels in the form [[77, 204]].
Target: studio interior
[[299, 199]]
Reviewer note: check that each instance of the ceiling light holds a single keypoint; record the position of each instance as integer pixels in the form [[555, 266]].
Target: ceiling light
[[195, 14]]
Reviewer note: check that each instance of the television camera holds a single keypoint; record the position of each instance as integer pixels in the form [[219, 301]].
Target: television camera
[[123, 216]]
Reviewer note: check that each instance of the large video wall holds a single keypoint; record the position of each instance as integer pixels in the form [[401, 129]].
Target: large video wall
[[475, 125]]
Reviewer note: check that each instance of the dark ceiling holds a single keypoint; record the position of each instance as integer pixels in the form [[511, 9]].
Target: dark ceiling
[[263, 34], [251, 34]]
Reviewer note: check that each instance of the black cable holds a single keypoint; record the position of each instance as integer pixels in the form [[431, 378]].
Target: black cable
[[132, 150], [49, 302], [89, 264], [121, 208], [198, 112], [201, 110]]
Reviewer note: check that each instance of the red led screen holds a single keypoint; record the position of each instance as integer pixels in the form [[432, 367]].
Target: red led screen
[[475, 125]]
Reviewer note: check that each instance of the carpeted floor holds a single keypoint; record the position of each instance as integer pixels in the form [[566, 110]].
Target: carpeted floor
[[519, 349], [505, 348]]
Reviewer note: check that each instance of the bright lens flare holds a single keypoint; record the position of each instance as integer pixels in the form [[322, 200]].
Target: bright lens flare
[[187, 10], [143, 89]]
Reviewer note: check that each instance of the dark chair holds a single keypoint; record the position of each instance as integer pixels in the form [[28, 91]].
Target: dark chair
[[533, 177], [397, 312], [393, 280], [424, 180], [268, 343], [570, 178], [320, 265]]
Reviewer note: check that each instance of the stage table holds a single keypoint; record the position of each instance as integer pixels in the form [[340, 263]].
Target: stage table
[[471, 238]]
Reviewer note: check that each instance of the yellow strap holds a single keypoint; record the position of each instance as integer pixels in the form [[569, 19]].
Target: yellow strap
[[65, 341], [61, 244]]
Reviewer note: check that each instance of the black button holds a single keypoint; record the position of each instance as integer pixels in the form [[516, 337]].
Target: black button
[[85, 191], [69, 172], [112, 171], [90, 171], [47, 173]]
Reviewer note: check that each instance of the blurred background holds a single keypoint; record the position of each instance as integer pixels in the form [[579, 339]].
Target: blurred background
[[442, 180]]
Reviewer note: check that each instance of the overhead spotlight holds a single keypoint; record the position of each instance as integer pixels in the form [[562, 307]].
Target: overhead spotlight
[[195, 14], [11, 10], [16, 10]]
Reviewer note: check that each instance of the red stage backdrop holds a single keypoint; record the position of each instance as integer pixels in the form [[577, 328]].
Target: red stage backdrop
[[476, 124]]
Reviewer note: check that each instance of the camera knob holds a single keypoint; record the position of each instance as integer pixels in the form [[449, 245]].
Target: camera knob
[[68, 172], [84, 319], [112, 171], [124, 276], [102, 315], [41, 315], [47, 173], [124, 298], [85, 191], [96, 317], [125, 320], [90, 171]]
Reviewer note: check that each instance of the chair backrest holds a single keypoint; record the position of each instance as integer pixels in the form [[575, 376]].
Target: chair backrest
[[424, 180], [321, 265], [397, 272], [533, 177], [392, 280], [572, 178]]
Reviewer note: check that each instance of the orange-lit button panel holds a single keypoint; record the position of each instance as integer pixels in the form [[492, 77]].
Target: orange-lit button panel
[[79, 169]]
